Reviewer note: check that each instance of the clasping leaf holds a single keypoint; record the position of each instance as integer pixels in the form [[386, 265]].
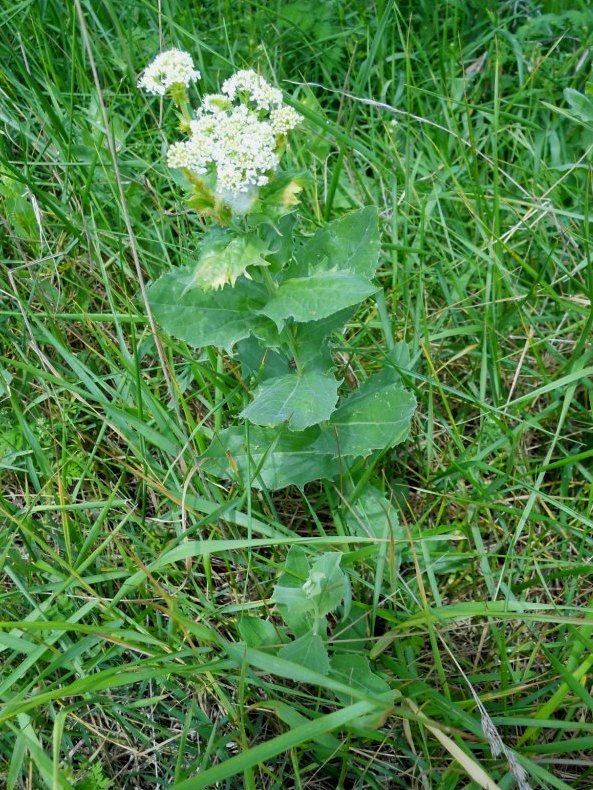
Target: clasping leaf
[[299, 400]]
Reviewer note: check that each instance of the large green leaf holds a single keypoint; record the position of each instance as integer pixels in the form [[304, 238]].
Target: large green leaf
[[331, 271], [375, 416], [355, 671], [308, 651], [316, 296], [205, 317], [283, 457], [297, 399], [350, 243]]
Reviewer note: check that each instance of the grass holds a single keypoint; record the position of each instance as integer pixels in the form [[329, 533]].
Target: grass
[[117, 667]]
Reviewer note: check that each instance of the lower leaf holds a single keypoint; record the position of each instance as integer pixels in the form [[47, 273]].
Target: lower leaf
[[268, 457], [372, 418], [355, 671], [308, 651], [299, 400]]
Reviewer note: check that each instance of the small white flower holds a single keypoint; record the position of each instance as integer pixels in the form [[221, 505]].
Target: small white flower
[[284, 119], [172, 67], [260, 92]]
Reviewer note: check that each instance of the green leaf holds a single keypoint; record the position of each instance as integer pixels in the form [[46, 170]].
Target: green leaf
[[372, 515], [354, 670], [313, 297], [207, 318], [311, 340], [298, 399], [581, 105], [326, 583], [350, 243], [331, 271], [297, 611], [224, 257], [281, 457], [261, 362], [256, 632], [278, 235], [296, 568], [308, 651], [293, 605], [372, 418]]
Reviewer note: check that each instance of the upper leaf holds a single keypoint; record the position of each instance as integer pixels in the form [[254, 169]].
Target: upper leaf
[[278, 235], [297, 611], [350, 243], [296, 568], [207, 318], [315, 296], [331, 271], [298, 399], [304, 595], [279, 456], [224, 257], [293, 605]]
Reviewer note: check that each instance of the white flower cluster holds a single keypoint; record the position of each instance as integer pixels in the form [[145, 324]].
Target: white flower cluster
[[170, 68], [238, 133], [284, 119], [249, 83]]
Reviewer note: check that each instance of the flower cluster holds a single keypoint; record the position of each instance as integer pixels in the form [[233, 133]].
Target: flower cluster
[[284, 119], [241, 147], [249, 84], [173, 67], [235, 136]]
